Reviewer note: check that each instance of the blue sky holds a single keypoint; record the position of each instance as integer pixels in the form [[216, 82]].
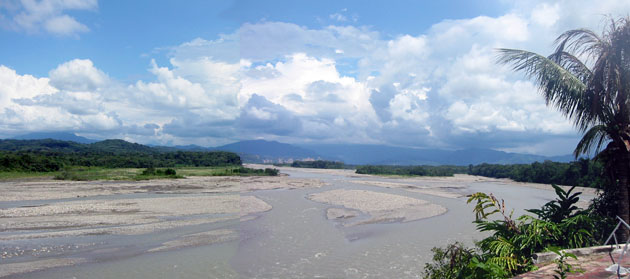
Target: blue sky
[[405, 73]]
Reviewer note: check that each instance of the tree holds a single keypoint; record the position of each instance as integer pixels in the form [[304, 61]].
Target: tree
[[587, 78]]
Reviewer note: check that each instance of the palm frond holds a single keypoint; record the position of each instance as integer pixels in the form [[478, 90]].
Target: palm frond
[[581, 42], [560, 87], [596, 136], [572, 64]]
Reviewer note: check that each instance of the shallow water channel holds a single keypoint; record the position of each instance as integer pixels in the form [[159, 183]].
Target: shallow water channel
[[295, 240]]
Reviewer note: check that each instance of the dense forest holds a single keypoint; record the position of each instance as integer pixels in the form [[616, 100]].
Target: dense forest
[[412, 170], [53, 155], [318, 164], [583, 172]]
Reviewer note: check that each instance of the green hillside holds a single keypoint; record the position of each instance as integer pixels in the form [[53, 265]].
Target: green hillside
[[52, 155]]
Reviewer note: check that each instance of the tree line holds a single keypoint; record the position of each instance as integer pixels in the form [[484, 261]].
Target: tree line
[[583, 172], [318, 164], [411, 170], [48, 155], [47, 161]]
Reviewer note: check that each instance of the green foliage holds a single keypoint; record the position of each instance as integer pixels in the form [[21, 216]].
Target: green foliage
[[583, 172], [53, 155], [229, 171], [586, 79], [563, 268], [318, 164], [513, 242], [170, 171], [99, 173], [249, 171], [271, 172], [450, 262], [96, 173], [457, 261], [508, 249], [149, 171], [159, 172], [411, 170], [561, 208]]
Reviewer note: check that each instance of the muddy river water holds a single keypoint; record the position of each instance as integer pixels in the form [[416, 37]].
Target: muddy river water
[[286, 232]]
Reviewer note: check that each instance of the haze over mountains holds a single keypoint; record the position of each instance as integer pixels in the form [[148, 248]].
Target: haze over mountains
[[262, 151]]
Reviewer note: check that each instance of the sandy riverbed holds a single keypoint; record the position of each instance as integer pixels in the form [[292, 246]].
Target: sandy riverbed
[[56, 189], [55, 210]]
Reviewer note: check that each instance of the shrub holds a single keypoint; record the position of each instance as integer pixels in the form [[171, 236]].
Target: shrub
[[149, 171], [509, 248], [170, 171], [271, 172]]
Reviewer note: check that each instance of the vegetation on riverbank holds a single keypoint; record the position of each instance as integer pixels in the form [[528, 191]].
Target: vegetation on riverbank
[[54, 155], [585, 78], [411, 170], [229, 171], [512, 242], [583, 172], [99, 173], [318, 164], [113, 160]]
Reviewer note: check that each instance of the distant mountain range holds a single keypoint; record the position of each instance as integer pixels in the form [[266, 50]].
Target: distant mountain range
[[261, 151], [388, 155], [67, 136]]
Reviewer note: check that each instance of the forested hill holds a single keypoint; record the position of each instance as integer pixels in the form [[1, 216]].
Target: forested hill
[[52, 155], [115, 146]]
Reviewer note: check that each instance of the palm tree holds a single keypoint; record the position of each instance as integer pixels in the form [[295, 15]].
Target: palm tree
[[587, 78]]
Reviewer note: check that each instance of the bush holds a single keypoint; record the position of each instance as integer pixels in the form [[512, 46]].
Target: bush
[[271, 172], [149, 171], [509, 248], [159, 172], [457, 261], [170, 171]]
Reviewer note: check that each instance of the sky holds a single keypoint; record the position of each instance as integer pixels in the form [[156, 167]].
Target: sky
[[403, 73]]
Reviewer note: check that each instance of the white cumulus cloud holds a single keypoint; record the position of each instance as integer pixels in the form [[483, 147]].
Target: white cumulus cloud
[[50, 16]]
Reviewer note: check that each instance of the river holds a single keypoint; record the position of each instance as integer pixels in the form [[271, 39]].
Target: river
[[296, 240]]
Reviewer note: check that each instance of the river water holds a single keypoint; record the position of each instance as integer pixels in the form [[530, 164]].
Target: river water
[[295, 240]]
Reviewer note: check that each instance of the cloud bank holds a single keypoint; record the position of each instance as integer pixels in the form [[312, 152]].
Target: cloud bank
[[334, 84]]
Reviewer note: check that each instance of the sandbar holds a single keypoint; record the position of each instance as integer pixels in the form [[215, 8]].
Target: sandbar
[[381, 207]]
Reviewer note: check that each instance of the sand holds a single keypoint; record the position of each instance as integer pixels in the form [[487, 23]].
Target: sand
[[204, 238], [381, 207], [124, 216], [56, 189], [52, 210], [19, 268]]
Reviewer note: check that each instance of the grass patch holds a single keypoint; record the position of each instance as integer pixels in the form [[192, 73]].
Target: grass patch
[[98, 173], [226, 171], [17, 175], [131, 174]]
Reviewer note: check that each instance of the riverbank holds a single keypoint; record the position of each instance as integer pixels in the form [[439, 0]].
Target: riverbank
[[311, 215]]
